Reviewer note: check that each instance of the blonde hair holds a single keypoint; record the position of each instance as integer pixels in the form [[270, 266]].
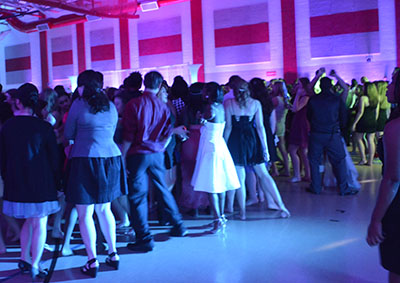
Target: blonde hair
[[382, 89], [372, 93]]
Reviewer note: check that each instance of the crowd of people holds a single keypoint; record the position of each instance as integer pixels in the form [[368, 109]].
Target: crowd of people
[[118, 153]]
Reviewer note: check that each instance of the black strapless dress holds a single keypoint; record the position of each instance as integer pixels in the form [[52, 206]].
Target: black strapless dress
[[244, 143]]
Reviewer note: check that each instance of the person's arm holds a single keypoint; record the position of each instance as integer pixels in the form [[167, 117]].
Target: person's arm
[[299, 102], [360, 112], [228, 119], [272, 121], [390, 183], [342, 85], [260, 129], [129, 126], [72, 120], [314, 81]]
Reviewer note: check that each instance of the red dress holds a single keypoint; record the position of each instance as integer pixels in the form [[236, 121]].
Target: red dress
[[300, 128]]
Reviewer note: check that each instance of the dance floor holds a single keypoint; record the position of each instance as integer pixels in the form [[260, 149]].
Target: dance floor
[[323, 241]]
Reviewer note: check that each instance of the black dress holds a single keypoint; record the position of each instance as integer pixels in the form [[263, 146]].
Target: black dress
[[367, 123], [244, 143]]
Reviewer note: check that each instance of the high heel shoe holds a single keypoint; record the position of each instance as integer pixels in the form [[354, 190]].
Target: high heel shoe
[[38, 274], [285, 213], [90, 271], [113, 263], [218, 226], [24, 266]]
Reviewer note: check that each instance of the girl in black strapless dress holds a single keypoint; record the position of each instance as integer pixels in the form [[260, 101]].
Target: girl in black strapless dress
[[247, 143]]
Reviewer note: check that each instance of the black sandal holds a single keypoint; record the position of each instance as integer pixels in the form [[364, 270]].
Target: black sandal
[[24, 266], [90, 271], [113, 263]]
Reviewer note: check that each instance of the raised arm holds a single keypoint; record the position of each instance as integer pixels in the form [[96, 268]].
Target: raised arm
[[318, 75], [389, 184], [342, 85]]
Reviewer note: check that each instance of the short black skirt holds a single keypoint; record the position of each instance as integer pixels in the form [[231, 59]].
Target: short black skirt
[[93, 180]]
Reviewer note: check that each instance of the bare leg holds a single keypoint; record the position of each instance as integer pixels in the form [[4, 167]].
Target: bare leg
[[121, 212], [88, 231], [215, 205], [361, 147], [14, 226], [251, 185], [285, 156], [371, 147], [221, 200], [57, 231], [107, 225], [394, 278], [73, 217], [295, 162], [241, 192], [230, 196], [39, 234], [268, 185], [26, 240], [306, 164]]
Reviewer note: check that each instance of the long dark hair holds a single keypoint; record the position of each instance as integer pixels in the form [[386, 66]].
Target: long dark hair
[[28, 95], [93, 92], [260, 92], [214, 92]]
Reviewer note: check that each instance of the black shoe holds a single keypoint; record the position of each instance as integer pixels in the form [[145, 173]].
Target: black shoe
[[143, 247], [178, 231], [24, 266], [349, 193], [90, 271], [113, 263], [38, 275], [309, 190]]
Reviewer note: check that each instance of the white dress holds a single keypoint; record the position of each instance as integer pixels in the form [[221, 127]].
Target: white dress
[[215, 171]]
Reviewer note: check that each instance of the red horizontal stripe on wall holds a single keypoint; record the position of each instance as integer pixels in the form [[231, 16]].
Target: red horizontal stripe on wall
[[345, 23], [62, 58], [102, 52], [18, 64], [160, 45], [242, 35]]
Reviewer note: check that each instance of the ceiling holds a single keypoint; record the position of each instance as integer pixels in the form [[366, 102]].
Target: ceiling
[[36, 15]]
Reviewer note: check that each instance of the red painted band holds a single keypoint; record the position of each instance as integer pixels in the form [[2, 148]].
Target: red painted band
[[80, 39], [160, 45], [124, 42], [18, 64], [345, 23], [196, 12], [102, 52], [242, 35], [289, 40], [62, 58], [44, 60]]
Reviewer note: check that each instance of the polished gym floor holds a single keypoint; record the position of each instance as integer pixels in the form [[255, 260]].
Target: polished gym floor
[[323, 241]]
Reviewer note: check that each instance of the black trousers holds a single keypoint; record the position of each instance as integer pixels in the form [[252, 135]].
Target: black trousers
[[319, 143], [140, 167]]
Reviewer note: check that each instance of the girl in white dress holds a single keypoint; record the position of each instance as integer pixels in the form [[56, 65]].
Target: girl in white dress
[[215, 171]]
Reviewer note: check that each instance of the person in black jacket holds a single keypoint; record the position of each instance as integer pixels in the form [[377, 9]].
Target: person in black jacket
[[326, 113], [30, 169]]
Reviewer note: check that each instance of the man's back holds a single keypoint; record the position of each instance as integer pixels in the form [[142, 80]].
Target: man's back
[[146, 123], [326, 113]]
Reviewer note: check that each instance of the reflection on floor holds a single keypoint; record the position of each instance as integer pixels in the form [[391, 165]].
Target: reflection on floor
[[323, 241]]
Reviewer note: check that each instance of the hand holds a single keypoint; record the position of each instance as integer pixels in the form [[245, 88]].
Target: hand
[[266, 155], [332, 73], [375, 235], [181, 131]]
